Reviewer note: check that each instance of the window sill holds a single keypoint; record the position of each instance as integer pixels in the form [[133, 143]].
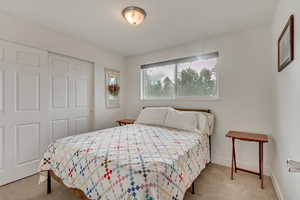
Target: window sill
[[183, 99]]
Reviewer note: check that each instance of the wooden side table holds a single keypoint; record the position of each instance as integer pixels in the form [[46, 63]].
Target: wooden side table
[[123, 122], [250, 137]]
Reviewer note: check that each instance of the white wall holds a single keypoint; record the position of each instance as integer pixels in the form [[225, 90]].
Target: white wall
[[245, 89], [287, 99], [24, 32]]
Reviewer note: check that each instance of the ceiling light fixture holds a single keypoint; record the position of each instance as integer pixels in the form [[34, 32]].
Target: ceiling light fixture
[[134, 15]]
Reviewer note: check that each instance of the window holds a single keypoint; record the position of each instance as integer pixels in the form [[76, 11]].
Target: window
[[194, 76]]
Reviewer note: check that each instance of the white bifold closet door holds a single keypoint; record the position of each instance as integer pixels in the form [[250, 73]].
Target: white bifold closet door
[[71, 96], [43, 97]]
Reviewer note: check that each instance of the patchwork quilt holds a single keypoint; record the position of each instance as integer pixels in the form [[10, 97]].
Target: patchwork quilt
[[135, 162]]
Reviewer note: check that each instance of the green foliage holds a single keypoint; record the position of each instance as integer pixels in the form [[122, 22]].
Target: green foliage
[[189, 83], [157, 90]]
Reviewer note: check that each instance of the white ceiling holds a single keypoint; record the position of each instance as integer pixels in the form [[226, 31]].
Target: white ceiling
[[168, 23]]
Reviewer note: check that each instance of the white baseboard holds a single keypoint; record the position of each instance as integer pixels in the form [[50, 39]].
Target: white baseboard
[[240, 163], [276, 187], [267, 171]]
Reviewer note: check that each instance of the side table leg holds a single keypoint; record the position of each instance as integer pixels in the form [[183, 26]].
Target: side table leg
[[259, 145], [234, 156], [262, 165], [232, 159]]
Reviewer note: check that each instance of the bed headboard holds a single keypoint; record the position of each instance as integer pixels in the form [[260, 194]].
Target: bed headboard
[[193, 110], [184, 109]]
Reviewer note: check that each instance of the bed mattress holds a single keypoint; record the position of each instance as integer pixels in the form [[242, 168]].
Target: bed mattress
[[129, 162]]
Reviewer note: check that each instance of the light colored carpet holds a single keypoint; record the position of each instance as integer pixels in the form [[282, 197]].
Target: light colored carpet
[[213, 184]]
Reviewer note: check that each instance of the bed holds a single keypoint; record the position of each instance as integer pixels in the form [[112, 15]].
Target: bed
[[129, 162]]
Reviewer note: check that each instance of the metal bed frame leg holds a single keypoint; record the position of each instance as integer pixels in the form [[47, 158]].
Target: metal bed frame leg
[[193, 184], [193, 188], [48, 183]]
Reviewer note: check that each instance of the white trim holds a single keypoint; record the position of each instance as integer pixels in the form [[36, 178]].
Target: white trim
[[182, 98], [198, 98], [221, 160], [276, 186], [268, 172]]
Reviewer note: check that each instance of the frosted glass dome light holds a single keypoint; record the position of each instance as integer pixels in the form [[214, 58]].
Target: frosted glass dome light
[[134, 15]]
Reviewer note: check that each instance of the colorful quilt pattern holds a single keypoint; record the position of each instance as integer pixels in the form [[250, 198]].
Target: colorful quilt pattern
[[135, 162]]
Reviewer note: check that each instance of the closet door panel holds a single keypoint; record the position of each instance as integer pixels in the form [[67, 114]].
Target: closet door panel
[[24, 100], [72, 96]]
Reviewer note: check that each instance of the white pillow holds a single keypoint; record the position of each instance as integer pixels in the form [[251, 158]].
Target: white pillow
[[209, 123], [153, 116], [182, 120], [205, 122], [202, 122]]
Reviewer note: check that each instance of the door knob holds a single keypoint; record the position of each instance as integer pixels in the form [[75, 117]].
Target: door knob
[[293, 166]]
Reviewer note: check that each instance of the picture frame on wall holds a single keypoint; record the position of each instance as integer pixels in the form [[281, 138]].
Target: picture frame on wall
[[112, 88], [286, 48]]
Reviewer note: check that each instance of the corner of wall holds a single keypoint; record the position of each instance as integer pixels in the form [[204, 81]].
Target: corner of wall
[[276, 185]]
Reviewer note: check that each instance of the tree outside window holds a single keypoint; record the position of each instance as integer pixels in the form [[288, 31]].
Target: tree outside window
[[189, 77]]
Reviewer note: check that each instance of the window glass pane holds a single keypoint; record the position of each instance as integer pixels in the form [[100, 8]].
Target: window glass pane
[[197, 78], [159, 82]]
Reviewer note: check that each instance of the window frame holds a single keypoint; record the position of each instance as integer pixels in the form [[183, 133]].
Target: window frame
[[181, 98]]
